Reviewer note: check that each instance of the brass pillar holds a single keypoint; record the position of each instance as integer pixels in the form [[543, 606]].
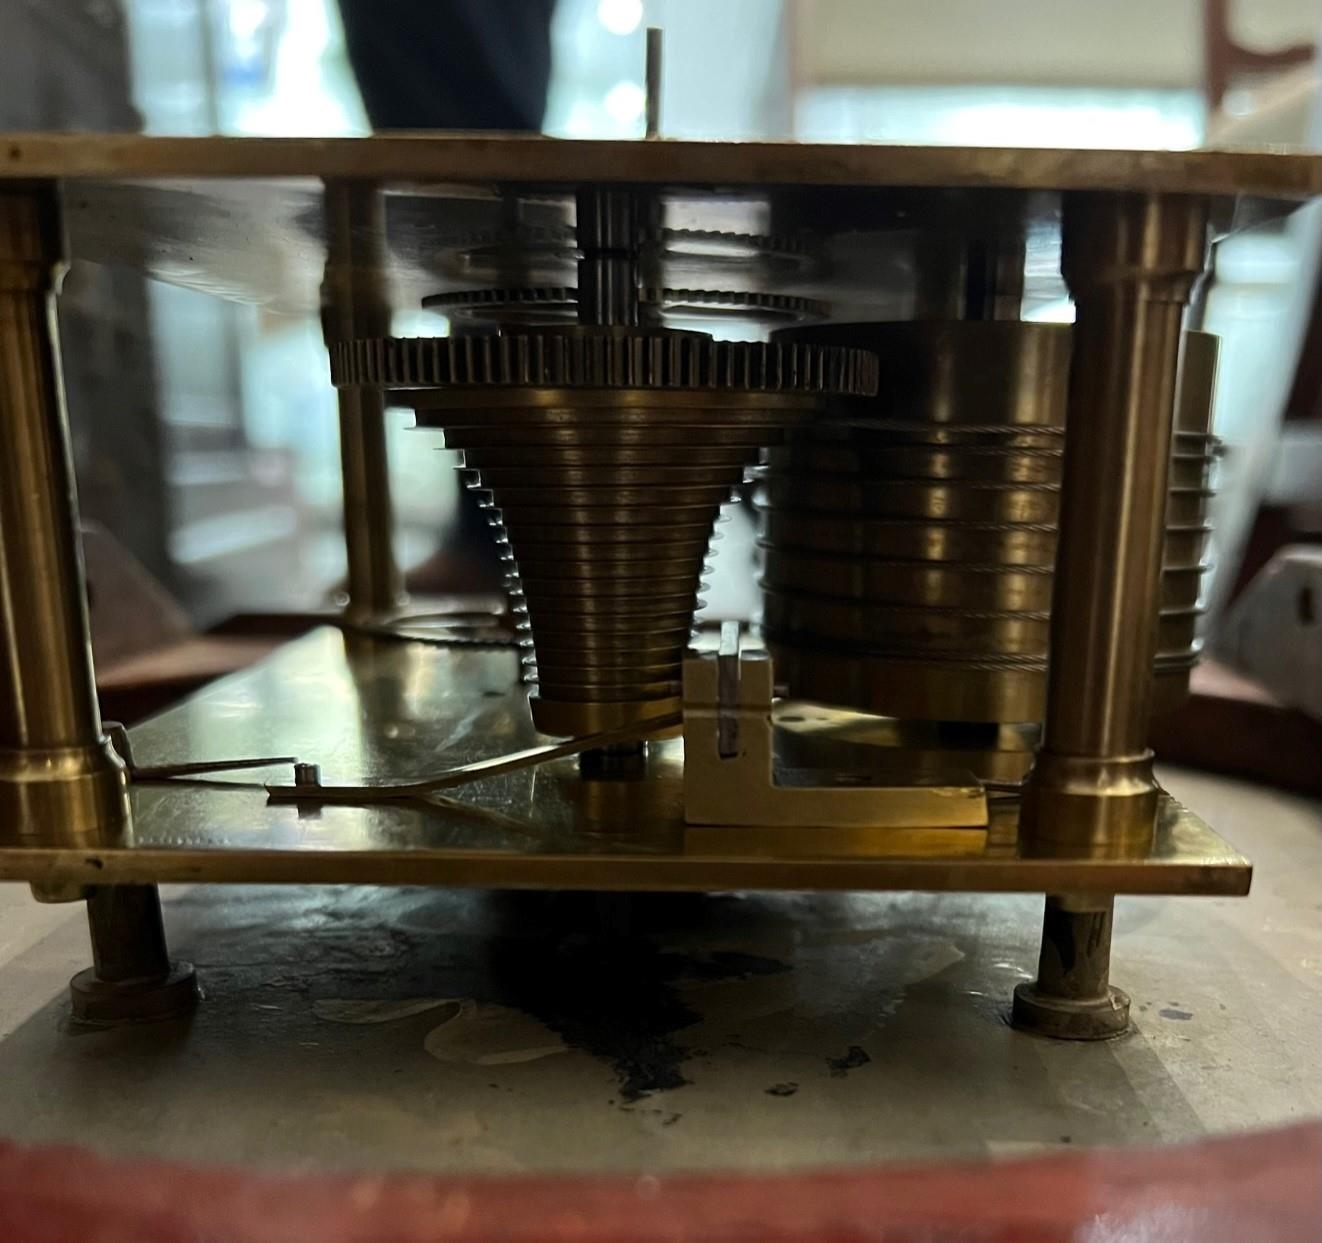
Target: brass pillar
[[1131, 262], [61, 783], [354, 305]]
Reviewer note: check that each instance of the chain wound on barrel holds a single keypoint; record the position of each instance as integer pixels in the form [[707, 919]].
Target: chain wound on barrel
[[909, 541]]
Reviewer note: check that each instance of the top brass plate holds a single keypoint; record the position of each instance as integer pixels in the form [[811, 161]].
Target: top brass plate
[[531, 159], [372, 710], [248, 218]]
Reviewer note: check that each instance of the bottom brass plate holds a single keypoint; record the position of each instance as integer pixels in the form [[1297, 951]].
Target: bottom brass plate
[[371, 710]]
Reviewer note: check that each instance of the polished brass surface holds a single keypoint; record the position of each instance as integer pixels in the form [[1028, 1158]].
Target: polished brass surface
[[309, 790], [908, 552], [959, 375], [1105, 804], [895, 583], [606, 653], [518, 159], [812, 735], [731, 776], [60, 781], [372, 711], [960, 633], [915, 688], [355, 305], [591, 417], [922, 558], [962, 501], [966, 543], [1131, 263]]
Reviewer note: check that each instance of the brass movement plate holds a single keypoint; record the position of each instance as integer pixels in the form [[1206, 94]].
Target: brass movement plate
[[247, 218], [529, 159], [368, 709]]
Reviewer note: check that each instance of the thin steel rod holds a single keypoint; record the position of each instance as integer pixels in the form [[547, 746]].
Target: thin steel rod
[[476, 771], [168, 772], [654, 50], [354, 305]]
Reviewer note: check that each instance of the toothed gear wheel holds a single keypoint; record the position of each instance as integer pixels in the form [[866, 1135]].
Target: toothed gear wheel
[[553, 304], [719, 242], [603, 358], [658, 428]]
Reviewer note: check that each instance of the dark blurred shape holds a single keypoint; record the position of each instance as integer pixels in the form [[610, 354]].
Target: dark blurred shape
[[1233, 726], [64, 65], [460, 65], [146, 650], [451, 64]]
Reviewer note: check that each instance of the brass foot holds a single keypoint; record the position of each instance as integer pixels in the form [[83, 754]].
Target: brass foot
[[1072, 997], [109, 1003], [1065, 1018], [133, 979]]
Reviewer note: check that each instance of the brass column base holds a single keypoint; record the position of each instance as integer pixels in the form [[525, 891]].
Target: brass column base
[[1106, 807], [111, 1003], [572, 720], [1092, 1018], [133, 980], [1072, 997], [67, 796]]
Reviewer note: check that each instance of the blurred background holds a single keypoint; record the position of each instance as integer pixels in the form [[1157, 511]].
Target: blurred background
[[219, 471]]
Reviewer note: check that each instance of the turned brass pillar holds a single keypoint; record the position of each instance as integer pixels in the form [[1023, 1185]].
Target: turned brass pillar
[[354, 305], [1131, 262], [61, 783]]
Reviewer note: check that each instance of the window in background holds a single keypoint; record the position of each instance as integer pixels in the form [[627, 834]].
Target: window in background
[[724, 75], [1001, 116], [251, 436], [725, 72]]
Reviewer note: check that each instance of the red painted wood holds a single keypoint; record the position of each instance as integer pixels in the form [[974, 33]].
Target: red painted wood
[[1260, 1188]]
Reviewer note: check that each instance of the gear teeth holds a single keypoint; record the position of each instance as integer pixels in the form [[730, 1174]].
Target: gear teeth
[[608, 359], [636, 470], [551, 305]]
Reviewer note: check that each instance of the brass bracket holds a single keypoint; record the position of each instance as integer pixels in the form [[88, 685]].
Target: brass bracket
[[731, 776]]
